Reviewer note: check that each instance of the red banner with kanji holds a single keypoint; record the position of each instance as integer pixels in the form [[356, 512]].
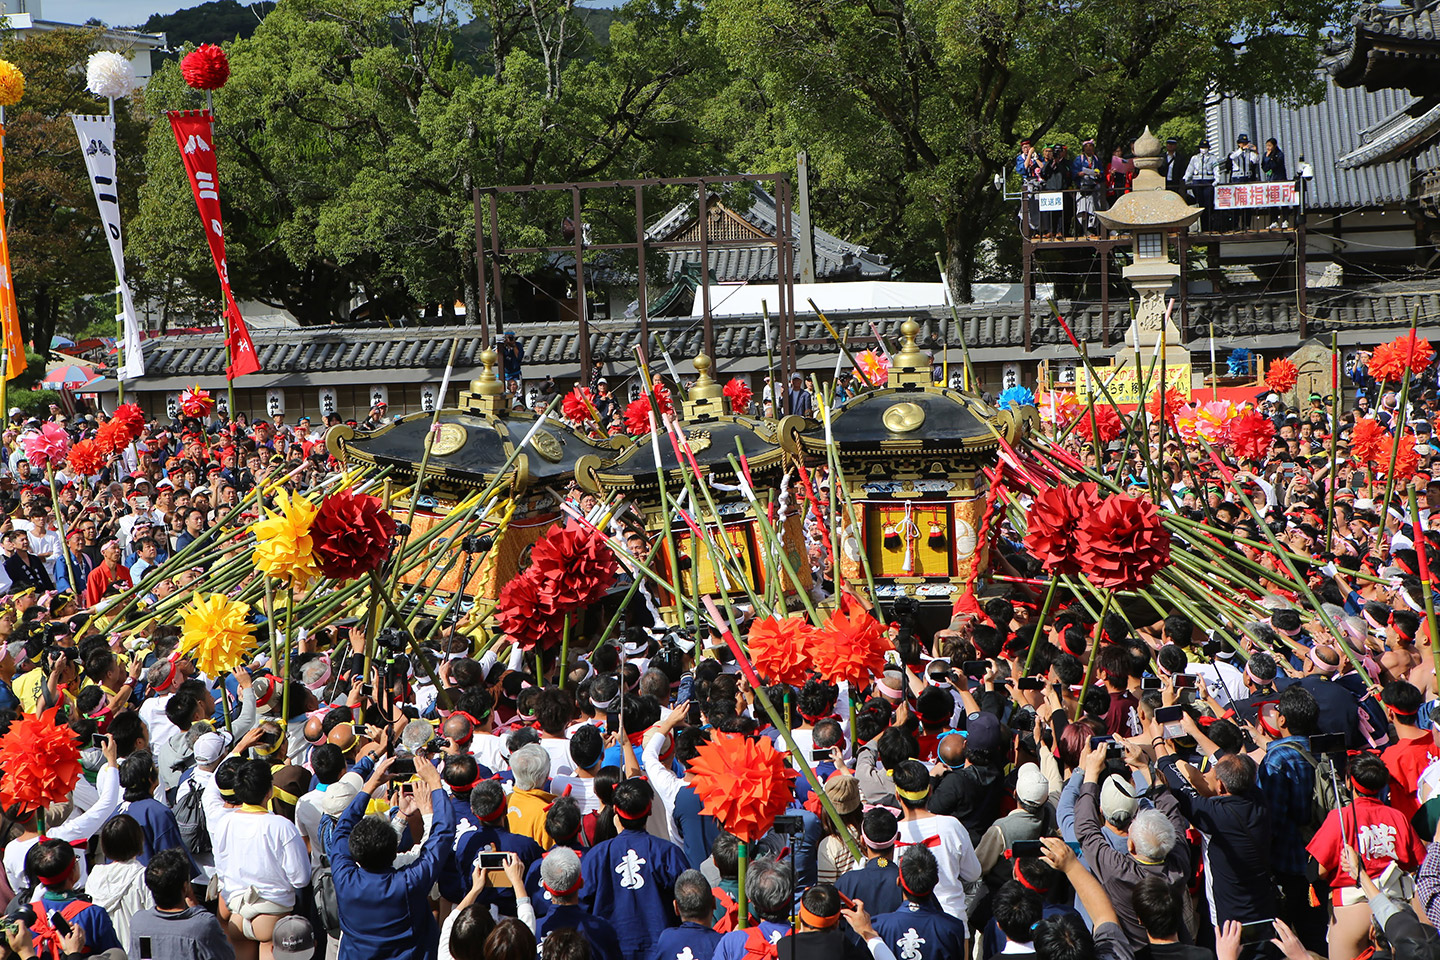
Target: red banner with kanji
[[194, 135]]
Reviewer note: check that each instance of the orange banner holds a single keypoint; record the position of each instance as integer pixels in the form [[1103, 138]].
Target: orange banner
[[9, 310]]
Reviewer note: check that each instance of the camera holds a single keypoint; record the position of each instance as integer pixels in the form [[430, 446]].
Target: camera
[[789, 823], [474, 544], [393, 638]]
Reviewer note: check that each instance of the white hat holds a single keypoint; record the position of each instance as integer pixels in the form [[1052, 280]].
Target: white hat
[[338, 795], [1031, 787], [209, 748], [1117, 798], [1272, 398]]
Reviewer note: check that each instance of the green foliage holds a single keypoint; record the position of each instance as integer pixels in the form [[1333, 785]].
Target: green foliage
[[58, 249], [351, 138], [218, 21], [36, 402], [909, 108]]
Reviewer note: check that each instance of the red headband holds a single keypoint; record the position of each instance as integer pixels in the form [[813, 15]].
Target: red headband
[[174, 661], [579, 882]]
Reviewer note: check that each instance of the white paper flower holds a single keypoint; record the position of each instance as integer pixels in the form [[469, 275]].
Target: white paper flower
[[109, 75]]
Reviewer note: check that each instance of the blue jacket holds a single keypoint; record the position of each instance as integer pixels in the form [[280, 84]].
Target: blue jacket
[[455, 877], [630, 880], [696, 938], [387, 915], [920, 932], [99, 931], [604, 944]]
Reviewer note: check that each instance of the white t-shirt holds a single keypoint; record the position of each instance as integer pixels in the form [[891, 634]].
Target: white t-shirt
[[307, 821], [159, 727], [560, 763], [953, 851], [260, 850]]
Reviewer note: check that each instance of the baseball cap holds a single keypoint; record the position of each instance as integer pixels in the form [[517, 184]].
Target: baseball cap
[[1117, 801], [294, 939], [209, 748], [1031, 787], [336, 797], [982, 732]]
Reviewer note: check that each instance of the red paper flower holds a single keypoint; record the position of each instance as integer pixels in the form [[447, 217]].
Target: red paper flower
[[1281, 376], [522, 615], [1105, 419], [1249, 435], [780, 649], [1389, 362], [1121, 543], [132, 417], [739, 394], [112, 436], [743, 783], [351, 534], [573, 569], [1051, 521], [85, 458], [196, 402], [1367, 439], [576, 405], [41, 761], [206, 67], [637, 417], [1407, 460], [1174, 400], [851, 646]]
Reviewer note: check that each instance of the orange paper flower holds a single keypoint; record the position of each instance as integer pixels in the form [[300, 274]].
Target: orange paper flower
[[86, 459], [780, 649], [1282, 376], [1389, 362], [1050, 525], [743, 783], [1121, 544], [1249, 435], [41, 760], [132, 417], [851, 647], [1101, 419], [112, 436]]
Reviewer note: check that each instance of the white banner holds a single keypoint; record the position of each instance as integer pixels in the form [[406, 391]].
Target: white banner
[[1051, 201], [97, 143]]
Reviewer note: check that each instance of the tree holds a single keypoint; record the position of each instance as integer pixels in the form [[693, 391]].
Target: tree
[[909, 108], [351, 137], [58, 250]]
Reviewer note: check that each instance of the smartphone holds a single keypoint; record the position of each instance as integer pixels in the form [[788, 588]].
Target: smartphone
[[847, 902], [1259, 931], [1030, 683], [1169, 719], [789, 824], [1116, 751], [402, 768], [1322, 743], [1097, 742], [147, 950], [612, 722], [97, 740], [61, 925], [820, 755], [975, 668], [269, 738], [1149, 683], [492, 859], [1184, 680], [1025, 848]]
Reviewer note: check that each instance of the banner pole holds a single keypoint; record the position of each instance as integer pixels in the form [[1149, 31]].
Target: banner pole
[[119, 309], [224, 302]]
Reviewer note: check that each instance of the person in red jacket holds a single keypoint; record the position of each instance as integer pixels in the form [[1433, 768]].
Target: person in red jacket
[[1386, 843], [110, 570], [1412, 749]]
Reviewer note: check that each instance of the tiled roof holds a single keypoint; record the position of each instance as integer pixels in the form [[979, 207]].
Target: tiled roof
[[1394, 45], [1323, 133], [989, 326], [1397, 135], [834, 257]]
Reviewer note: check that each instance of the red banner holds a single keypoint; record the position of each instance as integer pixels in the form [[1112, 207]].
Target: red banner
[[14, 344], [194, 135]]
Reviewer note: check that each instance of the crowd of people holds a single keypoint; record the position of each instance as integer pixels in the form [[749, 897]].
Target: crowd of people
[[1092, 183], [1271, 789]]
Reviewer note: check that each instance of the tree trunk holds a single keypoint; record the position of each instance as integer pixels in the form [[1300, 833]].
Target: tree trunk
[[961, 243]]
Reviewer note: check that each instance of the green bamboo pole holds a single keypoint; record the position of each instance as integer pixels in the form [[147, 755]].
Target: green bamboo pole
[[1094, 650]]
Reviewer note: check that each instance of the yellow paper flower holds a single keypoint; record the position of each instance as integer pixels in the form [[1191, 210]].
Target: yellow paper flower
[[284, 549], [12, 84], [214, 631]]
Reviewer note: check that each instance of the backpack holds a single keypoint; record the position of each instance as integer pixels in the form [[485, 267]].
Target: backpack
[[327, 901], [1323, 797], [190, 816], [44, 936]]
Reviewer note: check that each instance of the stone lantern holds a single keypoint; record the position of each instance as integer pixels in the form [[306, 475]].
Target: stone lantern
[[1150, 213]]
